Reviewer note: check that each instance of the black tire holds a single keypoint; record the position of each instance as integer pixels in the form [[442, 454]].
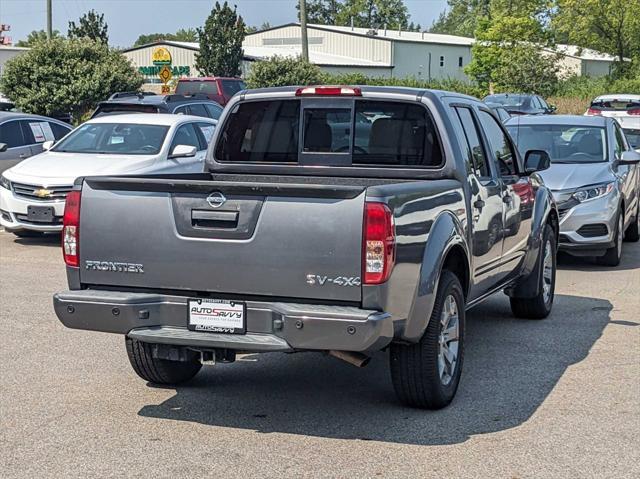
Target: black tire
[[28, 234], [539, 306], [613, 255], [159, 371], [415, 367], [633, 231]]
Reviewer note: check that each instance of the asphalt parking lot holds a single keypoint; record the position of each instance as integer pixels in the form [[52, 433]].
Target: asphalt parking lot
[[559, 397]]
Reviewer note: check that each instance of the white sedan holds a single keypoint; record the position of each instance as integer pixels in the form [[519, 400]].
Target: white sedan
[[623, 107], [32, 193]]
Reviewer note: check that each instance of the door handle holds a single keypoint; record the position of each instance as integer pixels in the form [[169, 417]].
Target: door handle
[[22, 155], [479, 204]]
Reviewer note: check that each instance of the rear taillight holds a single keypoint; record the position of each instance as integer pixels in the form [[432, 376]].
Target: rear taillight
[[378, 244], [594, 111], [329, 91], [71, 229], [635, 111]]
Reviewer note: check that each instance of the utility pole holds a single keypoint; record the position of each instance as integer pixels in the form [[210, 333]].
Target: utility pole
[[303, 30], [49, 25]]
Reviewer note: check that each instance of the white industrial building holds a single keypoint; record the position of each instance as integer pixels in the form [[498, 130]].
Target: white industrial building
[[8, 52], [380, 53]]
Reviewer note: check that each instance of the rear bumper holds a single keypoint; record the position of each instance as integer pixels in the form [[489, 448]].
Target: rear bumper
[[271, 326]]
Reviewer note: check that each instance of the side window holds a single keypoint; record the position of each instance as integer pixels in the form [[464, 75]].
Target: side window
[[58, 130], [621, 144], [181, 110], [11, 134], [500, 144], [198, 109], [207, 130], [186, 135], [474, 145], [28, 134], [214, 110], [442, 61], [543, 103], [460, 59]]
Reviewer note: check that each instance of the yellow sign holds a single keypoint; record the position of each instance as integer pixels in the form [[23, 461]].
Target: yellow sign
[[165, 90], [161, 56], [165, 74]]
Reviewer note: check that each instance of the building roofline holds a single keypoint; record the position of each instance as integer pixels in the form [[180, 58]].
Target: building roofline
[[161, 42]]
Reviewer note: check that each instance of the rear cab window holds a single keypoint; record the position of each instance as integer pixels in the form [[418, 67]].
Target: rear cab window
[[331, 132], [231, 87], [208, 87]]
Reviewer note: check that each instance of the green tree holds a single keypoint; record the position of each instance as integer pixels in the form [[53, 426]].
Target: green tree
[[253, 29], [374, 13], [90, 25], [37, 36], [182, 35], [508, 53], [611, 26], [461, 17], [221, 42], [60, 76], [322, 12], [278, 71]]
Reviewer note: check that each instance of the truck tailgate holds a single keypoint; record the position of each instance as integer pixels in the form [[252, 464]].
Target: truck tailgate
[[228, 238]]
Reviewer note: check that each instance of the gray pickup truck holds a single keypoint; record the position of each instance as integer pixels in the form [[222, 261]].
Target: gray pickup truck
[[342, 220]]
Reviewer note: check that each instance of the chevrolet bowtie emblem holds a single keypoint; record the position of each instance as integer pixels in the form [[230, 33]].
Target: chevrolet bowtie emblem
[[42, 193]]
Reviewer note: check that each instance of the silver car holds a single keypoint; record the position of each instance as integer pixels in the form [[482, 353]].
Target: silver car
[[594, 178]]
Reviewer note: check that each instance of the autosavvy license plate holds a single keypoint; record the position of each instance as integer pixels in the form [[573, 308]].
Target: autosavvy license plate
[[217, 316]]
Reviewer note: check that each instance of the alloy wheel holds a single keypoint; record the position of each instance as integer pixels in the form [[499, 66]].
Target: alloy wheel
[[448, 342]]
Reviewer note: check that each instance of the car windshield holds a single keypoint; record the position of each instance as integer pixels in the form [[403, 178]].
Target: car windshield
[[115, 139], [563, 143], [513, 101], [619, 104], [633, 137]]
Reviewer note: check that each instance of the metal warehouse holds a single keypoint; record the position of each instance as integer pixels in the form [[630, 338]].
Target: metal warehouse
[[372, 52]]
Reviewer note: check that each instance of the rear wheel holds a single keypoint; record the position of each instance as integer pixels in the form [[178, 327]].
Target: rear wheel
[[159, 371], [427, 374], [613, 255], [633, 232], [539, 306]]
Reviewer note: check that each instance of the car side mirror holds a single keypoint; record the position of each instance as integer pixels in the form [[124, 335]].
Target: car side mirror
[[3, 147], [47, 145], [628, 158], [183, 151], [536, 160], [552, 108]]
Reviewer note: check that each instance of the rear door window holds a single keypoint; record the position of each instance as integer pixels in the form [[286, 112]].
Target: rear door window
[[198, 109], [500, 145], [475, 151], [207, 130], [11, 134], [214, 110]]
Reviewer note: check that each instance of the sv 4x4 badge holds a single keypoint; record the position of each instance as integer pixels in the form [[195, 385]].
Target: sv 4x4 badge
[[317, 279]]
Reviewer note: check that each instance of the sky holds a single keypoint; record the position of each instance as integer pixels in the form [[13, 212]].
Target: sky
[[129, 18]]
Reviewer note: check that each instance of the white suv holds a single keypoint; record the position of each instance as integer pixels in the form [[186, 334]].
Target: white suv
[[32, 193]]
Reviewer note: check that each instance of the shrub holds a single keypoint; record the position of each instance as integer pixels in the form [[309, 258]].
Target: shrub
[[60, 76], [279, 71]]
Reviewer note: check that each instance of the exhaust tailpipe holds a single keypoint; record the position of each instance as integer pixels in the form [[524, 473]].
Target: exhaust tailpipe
[[357, 359]]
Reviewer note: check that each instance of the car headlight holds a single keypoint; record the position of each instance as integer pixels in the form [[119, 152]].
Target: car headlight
[[592, 192], [4, 182]]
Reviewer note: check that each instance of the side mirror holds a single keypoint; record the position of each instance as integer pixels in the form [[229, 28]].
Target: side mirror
[[628, 158], [3, 147], [183, 151], [536, 160], [47, 145], [552, 108]]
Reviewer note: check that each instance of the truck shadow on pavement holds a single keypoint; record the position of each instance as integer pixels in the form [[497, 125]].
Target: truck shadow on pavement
[[511, 366]]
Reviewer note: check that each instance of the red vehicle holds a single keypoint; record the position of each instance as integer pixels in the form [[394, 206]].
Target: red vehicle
[[219, 89]]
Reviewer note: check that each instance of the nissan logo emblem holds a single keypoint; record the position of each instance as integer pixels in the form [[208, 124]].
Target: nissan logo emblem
[[216, 200]]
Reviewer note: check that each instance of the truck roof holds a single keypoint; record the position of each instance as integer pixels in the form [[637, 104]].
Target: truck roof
[[398, 90]]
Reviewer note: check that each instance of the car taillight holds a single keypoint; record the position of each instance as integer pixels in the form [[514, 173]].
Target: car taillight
[[594, 111], [329, 91], [71, 229], [635, 111], [378, 243]]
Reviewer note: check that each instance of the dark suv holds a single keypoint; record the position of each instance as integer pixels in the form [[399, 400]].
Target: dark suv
[[146, 102]]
